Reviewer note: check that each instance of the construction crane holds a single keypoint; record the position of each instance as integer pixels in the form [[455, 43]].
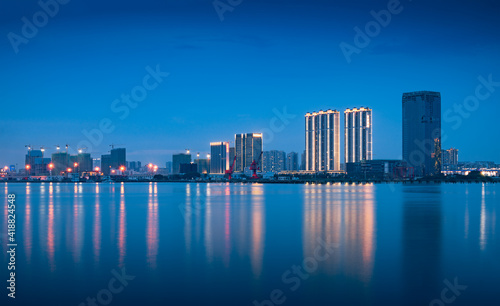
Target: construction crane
[[255, 166], [231, 169]]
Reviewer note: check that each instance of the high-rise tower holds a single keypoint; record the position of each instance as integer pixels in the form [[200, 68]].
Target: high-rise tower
[[422, 131], [323, 141]]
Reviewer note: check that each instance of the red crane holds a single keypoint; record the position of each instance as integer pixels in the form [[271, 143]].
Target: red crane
[[231, 169], [255, 166]]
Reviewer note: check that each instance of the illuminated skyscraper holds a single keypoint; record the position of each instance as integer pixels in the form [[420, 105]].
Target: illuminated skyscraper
[[422, 131], [323, 141], [358, 135], [248, 148], [219, 157]]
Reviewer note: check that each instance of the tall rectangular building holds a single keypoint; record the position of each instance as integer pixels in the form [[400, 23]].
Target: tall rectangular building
[[248, 147], [219, 157], [118, 158], [323, 141], [422, 131], [292, 161], [450, 157], [358, 135]]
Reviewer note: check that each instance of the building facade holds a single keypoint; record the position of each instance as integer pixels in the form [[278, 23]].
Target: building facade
[[219, 157], [358, 135], [85, 163], [248, 147], [61, 162], [178, 159], [422, 132], [450, 157], [292, 161], [323, 141], [273, 161]]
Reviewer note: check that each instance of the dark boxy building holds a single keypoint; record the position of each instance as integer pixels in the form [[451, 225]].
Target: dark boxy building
[[178, 159], [85, 162], [188, 168], [378, 169], [60, 161], [422, 131], [114, 160]]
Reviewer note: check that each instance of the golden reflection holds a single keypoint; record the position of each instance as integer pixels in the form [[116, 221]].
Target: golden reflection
[[152, 230], [345, 215], [122, 228], [187, 218], [97, 226], [208, 224], [50, 233], [27, 231], [227, 226], [258, 230], [78, 228]]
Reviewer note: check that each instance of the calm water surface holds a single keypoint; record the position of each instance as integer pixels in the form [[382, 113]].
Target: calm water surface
[[228, 244]]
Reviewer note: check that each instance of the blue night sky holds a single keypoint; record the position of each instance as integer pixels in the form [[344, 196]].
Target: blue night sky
[[231, 76]]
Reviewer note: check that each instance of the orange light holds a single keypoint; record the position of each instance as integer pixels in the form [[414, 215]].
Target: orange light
[[150, 165], [69, 169], [28, 167], [97, 169], [75, 165], [122, 168], [113, 171], [51, 166]]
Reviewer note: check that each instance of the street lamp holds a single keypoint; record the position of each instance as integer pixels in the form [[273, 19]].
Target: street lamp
[[28, 167], [75, 165], [51, 166], [122, 168], [69, 170]]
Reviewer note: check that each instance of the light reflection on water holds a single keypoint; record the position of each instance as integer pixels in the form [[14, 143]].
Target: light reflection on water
[[229, 244]]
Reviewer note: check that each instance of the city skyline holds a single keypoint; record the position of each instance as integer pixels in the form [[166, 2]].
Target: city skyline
[[248, 76]]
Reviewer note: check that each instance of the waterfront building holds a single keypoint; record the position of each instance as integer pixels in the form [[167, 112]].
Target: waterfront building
[[358, 134], [84, 161], [292, 161], [323, 141], [203, 165], [273, 161], [61, 162], [422, 131], [219, 157], [450, 157], [248, 147], [178, 159], [378, 170]]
